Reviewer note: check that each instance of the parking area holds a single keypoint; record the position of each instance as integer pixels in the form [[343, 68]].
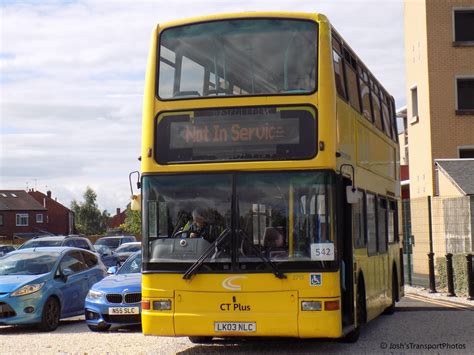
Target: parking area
[[418, 324]]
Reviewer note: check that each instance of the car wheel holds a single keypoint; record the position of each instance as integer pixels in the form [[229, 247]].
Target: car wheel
[[200, 340], [50, 316], [99, 327]]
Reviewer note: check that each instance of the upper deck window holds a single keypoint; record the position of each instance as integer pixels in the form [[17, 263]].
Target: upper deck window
[[238, 57]]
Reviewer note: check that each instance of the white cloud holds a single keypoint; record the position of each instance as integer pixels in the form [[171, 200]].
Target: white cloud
[[72, 77]]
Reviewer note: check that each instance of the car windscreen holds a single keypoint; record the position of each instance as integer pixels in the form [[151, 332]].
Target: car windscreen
[[133, 265], [109, 242], [128, 248], [33, 263], [41, 244]]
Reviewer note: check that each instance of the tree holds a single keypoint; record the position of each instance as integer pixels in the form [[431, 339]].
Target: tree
[[133, 222], [88, 218]]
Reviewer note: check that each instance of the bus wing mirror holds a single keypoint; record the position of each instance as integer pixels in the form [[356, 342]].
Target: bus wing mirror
[[136, 203], [353, 195]]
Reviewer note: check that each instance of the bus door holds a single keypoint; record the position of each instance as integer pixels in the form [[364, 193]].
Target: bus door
[[344, 231]]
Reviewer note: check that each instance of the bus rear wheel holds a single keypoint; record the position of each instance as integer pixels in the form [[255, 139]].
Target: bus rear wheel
[[200, 340]]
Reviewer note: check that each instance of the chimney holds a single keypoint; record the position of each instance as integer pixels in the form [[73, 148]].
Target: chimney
[[118, 211], [48, 193]]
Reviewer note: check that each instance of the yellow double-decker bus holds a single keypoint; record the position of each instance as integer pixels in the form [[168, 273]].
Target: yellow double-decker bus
[[269, 181]]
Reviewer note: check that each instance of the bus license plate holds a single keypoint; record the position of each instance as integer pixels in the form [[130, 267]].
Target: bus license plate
[[235, 327], [124, 310]]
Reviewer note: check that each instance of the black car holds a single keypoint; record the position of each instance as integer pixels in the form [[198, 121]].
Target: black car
[[59, 241]]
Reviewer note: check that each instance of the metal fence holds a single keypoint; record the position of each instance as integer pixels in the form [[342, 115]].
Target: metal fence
[[437, 225]]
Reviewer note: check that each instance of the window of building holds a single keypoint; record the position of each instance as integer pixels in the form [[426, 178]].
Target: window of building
[[465, 95], [21, 219], [371, 224], [1, 219], [414, 104], [464, 25], [466, 153], [39, 218]]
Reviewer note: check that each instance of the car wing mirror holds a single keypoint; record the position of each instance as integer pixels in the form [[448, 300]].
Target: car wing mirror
[[66, 272], [112, 270]]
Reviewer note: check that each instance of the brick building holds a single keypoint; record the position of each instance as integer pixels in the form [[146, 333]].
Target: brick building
[[438, 119], [20, 213], [114, 222], [60, 219], [28, 214], [439, 50]]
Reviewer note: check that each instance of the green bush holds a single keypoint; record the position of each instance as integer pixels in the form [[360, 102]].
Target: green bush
[[460, 274]]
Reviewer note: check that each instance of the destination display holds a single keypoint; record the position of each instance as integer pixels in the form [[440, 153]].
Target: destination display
[[257, 133], [211, 132]]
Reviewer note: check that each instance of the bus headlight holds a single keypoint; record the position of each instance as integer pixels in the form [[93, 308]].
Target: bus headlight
[[162, 305], [311, 306]]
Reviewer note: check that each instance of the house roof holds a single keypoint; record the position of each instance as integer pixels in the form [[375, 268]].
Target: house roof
[[460, 171], [18, 200], [40, 197]]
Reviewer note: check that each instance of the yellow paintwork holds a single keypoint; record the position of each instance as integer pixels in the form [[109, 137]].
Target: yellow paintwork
[[152, 106], [275, 303]]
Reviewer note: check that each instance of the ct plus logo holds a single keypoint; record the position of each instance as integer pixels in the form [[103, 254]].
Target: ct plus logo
[[229, 285]]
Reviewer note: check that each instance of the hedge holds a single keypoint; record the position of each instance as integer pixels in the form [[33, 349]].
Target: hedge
[[460, 274]]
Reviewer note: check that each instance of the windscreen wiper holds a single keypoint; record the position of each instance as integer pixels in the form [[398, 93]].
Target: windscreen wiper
[[198, 263], [266, 260]]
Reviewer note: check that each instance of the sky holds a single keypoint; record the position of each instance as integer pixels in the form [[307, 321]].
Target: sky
[[72, 80]]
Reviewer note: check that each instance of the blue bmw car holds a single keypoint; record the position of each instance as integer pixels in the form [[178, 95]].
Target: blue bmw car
[[116, 299], [42, 285]]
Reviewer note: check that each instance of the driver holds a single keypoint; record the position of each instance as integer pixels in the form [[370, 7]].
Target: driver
[[199, 227]]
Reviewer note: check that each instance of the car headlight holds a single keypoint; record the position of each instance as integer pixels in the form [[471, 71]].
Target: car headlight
[[27, 289], [94, 295]]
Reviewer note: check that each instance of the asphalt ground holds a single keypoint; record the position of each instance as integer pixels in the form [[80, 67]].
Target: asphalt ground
[[420, 325]]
